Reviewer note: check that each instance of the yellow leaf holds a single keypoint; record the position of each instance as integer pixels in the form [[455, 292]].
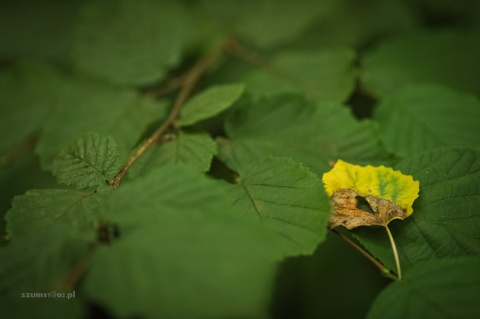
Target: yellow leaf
[[390, 194]]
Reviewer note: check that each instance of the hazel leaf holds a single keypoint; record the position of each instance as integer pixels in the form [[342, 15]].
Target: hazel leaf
[[88, 161], [196, 149], [390, 194], [209, 103], [286, 198]]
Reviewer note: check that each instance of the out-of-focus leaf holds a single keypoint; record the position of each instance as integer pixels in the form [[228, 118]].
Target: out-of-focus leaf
[[128, 42], [446, 57], [187, 251], [50, 208], [326, 75], [445, 288], [93, 106], [40, 29], [29, 93], [422, 117]]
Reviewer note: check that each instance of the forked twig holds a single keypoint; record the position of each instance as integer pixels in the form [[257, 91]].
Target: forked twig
[[188, 83]]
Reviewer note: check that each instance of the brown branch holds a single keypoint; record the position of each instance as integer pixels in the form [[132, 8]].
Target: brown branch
[[27, 146], [169, 86], [384, 270], [236, 49], [188, 84], [76, 273]]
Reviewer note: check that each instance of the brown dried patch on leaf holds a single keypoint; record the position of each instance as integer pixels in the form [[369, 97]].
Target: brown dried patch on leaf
[[346, 212]]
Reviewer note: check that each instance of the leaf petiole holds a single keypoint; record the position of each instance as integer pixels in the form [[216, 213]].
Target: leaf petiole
[[395, 252]]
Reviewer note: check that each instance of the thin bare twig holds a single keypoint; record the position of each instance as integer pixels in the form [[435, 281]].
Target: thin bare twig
[[235, 48], [384, 270], [254, 58], [169, 86], [27, 146], [76, 273], [189, 82]]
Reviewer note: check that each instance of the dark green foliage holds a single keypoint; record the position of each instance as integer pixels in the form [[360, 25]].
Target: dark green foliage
[[230, 112], [424, 293]]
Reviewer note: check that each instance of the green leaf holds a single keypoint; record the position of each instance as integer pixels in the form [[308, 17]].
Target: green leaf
[[172, 188], [423, 115], [43, 31], [447, 288], [22, 175], [445, 57], [90, 160], [40, 260], [92, 106], [445, 217], [326, 75], [190, 256], [28, 94], [209, 103], [289, 126], [287, 199], [184, 269], [127, 42], [355, 24], [49, 208], [268, 23], [195, 149], [40, 263]]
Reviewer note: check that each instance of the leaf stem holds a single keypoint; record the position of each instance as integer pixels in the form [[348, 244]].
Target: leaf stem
[[188, 83], [395, 252], [384, 270]]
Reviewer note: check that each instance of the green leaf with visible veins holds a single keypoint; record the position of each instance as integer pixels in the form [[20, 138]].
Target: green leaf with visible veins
[[90, 160], [209, 103], [312, 134], [287, 199], [326, 75], [195, 149], [176, 188], [96, 107], [445, 218], [189, 254], [445, 288], [417, 118], [48, 208], [443, 57]]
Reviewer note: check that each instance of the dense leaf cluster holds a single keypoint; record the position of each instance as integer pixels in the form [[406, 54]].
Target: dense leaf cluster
[[223, 215]]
